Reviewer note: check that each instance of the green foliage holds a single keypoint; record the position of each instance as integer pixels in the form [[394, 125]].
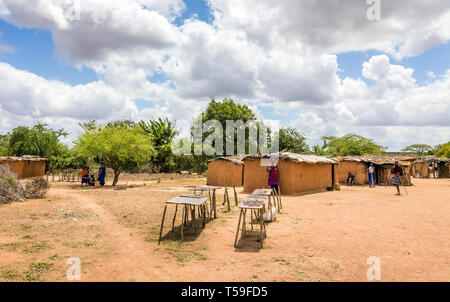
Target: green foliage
[[293, 141], [38, 140], [444, 151], [162, 133], [227, 110], [4, 145], [118, 145], [350, 144], [418, 149]]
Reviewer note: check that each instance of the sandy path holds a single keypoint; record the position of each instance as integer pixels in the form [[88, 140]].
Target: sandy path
[[133, 260]]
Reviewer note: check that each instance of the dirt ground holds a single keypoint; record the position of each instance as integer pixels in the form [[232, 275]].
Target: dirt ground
[[319, 237]]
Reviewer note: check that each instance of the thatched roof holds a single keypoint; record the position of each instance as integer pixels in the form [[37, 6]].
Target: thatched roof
[[299, 158], [432, 158], [375, 159], [23, 158], [235, 159]]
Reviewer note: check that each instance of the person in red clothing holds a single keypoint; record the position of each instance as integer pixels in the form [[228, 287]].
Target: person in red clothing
[[273, 177], [85, 175], [397, 172]]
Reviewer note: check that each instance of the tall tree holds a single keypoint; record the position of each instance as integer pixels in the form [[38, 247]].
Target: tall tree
[[292, 140], [418, 149], [117, 144], [350, 144], [444, 151], [163, 133]]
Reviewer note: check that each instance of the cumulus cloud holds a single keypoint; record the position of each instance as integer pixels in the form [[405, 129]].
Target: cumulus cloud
[[272, 53]]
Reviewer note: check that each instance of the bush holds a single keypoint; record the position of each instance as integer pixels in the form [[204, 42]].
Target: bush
[[10, 189], [36, 188]]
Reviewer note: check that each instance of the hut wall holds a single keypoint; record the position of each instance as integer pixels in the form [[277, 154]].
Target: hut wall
[[356, 168], [420, 170], [294, 177], [224, 173], [26, 169]]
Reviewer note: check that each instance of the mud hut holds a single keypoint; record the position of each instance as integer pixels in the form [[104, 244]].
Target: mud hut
[[226, 171], [420, 169], [25, 166], [298, 173], [358, 166]]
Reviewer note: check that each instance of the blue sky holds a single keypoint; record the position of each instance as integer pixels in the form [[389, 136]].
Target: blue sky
[[222, 52]]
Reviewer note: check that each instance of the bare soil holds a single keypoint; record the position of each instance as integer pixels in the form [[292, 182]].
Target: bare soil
[[319, 237]]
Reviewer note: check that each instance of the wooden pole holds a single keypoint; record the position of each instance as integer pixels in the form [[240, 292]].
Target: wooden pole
[[162, 225]]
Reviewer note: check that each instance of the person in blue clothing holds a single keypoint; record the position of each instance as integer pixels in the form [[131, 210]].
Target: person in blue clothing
[[102, 175], [372, 177]]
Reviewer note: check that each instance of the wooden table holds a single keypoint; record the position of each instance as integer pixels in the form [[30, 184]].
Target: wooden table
[[212, 197], [270, 193], [189, 203], [257, 205]]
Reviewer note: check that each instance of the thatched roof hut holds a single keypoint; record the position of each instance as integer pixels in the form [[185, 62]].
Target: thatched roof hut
[[226, 171], [358, 165], [420, 168], [298, 173], [26, 166]]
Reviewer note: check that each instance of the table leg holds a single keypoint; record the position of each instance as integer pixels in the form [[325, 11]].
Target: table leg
[[261, 226], [251, 218], [182, 223], [244, 226], [174, 217], [193, 219], [204, 215], [214, 203], [162, 225], [228, 200], [239, 225]]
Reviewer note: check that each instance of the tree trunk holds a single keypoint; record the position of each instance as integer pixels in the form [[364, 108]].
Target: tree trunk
[[116, 176]]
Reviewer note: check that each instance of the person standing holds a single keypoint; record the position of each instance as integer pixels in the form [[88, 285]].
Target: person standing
[[430, 170], [85, 175], [397, 172], [372, 178], [102, 175], [273, 178]]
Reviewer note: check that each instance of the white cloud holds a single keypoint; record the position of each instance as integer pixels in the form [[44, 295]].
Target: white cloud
[[275, 53]]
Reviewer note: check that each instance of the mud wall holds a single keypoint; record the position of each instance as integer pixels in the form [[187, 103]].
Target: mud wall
[[26, 169], [295, 177], [224, 173], [356, 168]]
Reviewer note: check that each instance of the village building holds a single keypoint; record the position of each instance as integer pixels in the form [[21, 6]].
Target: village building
[[25, 166], [420, 167], [298, 173], [226, 171], [358, 166]]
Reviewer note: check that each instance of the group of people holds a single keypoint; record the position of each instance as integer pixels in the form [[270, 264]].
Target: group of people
[[432, 169], [396, 173], [89, 179]]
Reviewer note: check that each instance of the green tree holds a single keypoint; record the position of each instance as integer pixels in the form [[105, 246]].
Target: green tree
[[444, 151], [38, 140], [118, 145], [163, 133], [418, 149], [350, 144], [4, 145], [290, 139]]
